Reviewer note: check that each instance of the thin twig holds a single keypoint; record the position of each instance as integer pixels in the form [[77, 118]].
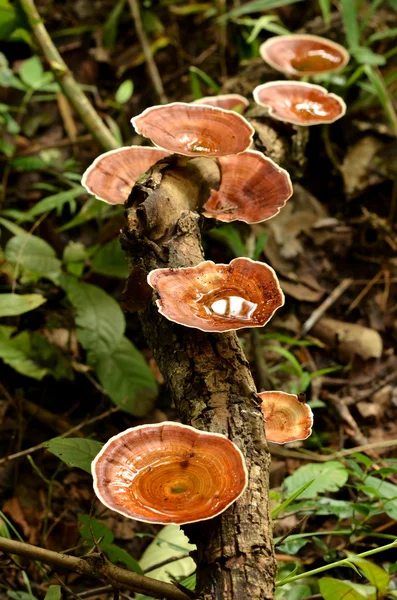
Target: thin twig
[[313, 456], [73, 92], [324, 306], [94, 567], [153, 71]]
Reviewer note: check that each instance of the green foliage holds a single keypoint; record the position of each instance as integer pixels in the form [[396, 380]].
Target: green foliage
[[325, 477], [110, 260], [33, 254], [75, 452], [16, 304], [125, 91], [53, 593], [335, 589]]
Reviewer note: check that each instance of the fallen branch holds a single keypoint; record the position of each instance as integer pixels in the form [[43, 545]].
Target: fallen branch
[[97, 567]]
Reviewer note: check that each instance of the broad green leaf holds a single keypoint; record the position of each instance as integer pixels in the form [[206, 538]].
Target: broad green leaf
[[110, 260], [17, 304], [124, 92], [335, 589], [16, 353], [75, 452], [15, 229], [53, 593], [385, 490], [99, 529], [124, 373], [8, 19], [21, 596], [99, 318], [375, 574], [116, 554], [169, 543], [31, 72], [328, 477], [74, 252], [33, 254]]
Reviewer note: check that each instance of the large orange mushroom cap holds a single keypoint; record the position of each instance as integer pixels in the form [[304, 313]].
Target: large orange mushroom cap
[[218, 297], [195, 129], [299, 103], [113, 174], [253, 189], [287, 419], [303, 54], [169, 473]]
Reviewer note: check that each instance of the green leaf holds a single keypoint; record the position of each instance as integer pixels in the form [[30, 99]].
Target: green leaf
[[56, 201], [110, 28], [15, 229], [16, 352], [116, 554], [110, 260], [325, 6], [253, 7], [74, 252], [34, 254], [335, 589], [287, 502], [169, 543], [350, 22], [328, 477], [31, 72], [229, 235], [125, 374], [90, 210], [16, 304], [365, 56], [385, 490], [75, 452], [124, 92], [99, 318], [8, 19], [53, 593], [375, 574], [99, 529]]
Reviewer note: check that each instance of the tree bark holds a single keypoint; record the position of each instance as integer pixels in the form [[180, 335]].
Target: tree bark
[[207, 374]]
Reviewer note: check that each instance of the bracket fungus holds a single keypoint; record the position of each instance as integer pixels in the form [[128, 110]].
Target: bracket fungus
[[287, 419], [234, 102], [218, 297], [303, 54], [113, 174], [299, 103], [253, 189], [195, 129], [169, 473]]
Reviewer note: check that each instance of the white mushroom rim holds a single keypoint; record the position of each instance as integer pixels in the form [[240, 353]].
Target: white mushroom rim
[[324, 93], [210, 262], [158, 425], [304, 36], [190, 106]]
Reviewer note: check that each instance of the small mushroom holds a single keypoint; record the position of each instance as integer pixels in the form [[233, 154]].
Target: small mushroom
[[287, 419], [113, 174], [253, 189], [169, 473], [303, 54], [195, 129], [227, 101], [299, 103], [218, 297]]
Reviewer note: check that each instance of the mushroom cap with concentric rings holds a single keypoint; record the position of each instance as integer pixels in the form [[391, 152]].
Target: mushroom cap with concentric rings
[[218, 297], [234, 102], [299, 103], [113, 174], [287, 419], [195, 129], [169, 473], [303, 54], [253, 189]]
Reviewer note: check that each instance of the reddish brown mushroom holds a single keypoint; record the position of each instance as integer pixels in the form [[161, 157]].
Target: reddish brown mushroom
[[218, 297], [287, 419], [113, 174], [299, 103], [169, 473], [302, 54], [227, 101], [195, 129], [253, 189]]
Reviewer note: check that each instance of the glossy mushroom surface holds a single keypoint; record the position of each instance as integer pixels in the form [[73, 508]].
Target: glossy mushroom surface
[[227, 101], [195, 129], [169, 473], [218, 297], [253, 189], [303, 54], [287, 419], [299, 103], [113, 174]]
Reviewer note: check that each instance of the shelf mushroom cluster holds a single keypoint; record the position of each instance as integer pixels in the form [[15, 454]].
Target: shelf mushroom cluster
[[173, 473]]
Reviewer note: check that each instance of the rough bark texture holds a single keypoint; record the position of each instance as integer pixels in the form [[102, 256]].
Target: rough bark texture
[[208, 376]]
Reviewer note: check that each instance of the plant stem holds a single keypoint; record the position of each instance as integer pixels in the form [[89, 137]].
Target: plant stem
[[70, 87], [345, 562], [95, 567], [153, 71]]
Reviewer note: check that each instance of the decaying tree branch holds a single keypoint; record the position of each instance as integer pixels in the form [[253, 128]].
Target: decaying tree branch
[[207, 374], [97, 567]]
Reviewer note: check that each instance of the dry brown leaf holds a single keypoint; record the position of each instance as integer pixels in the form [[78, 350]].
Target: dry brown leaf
[[349, 339]]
